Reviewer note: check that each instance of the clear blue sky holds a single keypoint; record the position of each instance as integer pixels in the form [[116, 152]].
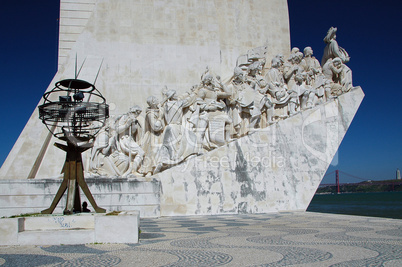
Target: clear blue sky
[[369, 30]]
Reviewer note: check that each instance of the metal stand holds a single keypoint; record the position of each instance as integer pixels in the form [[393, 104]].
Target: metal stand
[[73, 179]]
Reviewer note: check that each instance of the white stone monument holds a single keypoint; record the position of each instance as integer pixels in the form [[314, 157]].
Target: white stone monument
[[199, 116]]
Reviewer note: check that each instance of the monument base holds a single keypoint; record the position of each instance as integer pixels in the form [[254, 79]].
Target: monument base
[[34, 195]]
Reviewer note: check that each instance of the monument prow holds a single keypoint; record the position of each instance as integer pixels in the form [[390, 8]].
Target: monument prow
[[274, 169]]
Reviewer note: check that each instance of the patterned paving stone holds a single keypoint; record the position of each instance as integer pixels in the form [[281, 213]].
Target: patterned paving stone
[[203, 229], [385, 253], [13, 260], [95, 261], [300, 238], [145, 235], [295, 255], [270, 240], [391, 232], [195, 243], [72, 249], [201, 258]]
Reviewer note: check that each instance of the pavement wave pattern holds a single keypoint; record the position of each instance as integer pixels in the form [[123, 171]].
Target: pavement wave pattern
[[280, 239]]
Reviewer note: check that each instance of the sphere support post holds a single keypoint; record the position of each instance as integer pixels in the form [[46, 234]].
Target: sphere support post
[[73, 179]]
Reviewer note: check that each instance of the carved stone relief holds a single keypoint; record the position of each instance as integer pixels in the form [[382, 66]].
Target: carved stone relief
[[213, 113]]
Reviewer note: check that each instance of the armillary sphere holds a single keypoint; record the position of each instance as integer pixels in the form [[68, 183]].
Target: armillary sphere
[[74, 111]]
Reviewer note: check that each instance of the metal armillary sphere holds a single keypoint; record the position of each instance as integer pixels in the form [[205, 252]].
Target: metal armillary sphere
[[74, 111]]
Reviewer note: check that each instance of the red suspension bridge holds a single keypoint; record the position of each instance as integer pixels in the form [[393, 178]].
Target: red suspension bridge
[[361, 180]]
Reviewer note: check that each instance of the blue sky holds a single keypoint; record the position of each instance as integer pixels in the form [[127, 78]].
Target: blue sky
[[370, 33], [368, 30]]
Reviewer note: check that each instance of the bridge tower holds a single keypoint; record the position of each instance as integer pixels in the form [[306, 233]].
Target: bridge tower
[[337, 181]]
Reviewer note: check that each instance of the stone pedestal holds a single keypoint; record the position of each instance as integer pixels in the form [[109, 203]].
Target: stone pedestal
[[71, 229]]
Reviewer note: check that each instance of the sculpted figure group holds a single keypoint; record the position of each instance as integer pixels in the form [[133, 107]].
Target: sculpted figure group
[[213, 113]]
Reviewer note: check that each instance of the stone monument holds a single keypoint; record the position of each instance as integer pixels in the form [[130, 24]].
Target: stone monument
[[201, 111], [143, 46]]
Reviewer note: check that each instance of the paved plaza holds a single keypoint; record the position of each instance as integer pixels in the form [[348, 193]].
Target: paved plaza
[[282, 239]]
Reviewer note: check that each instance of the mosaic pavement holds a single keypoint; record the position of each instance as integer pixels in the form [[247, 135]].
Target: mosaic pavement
[[284, 239]]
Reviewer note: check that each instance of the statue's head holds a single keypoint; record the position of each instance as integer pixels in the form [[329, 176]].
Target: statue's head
[[152, 101], [136, 110], [255, 67], [207, 79], [337, 62], [331, 34], [276, 62], [170, 94], [297, 58], [308, 51], [280, 57], [238, 74], [295, 50]]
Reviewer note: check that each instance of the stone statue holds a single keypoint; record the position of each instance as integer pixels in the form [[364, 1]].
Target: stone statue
[[346, 78], [118, 145], [190, 98], [129, 132], [237, 87], [277, 87], [333, 50], [315, 78], [310, 64], [301, 94], [292, 67], [339, 74], [103, 145], [213, 121], [211, 95], [178, 142], [128, 124], [322, 88], [261, 103], [281, 61], [152, 139], [241, 102]]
